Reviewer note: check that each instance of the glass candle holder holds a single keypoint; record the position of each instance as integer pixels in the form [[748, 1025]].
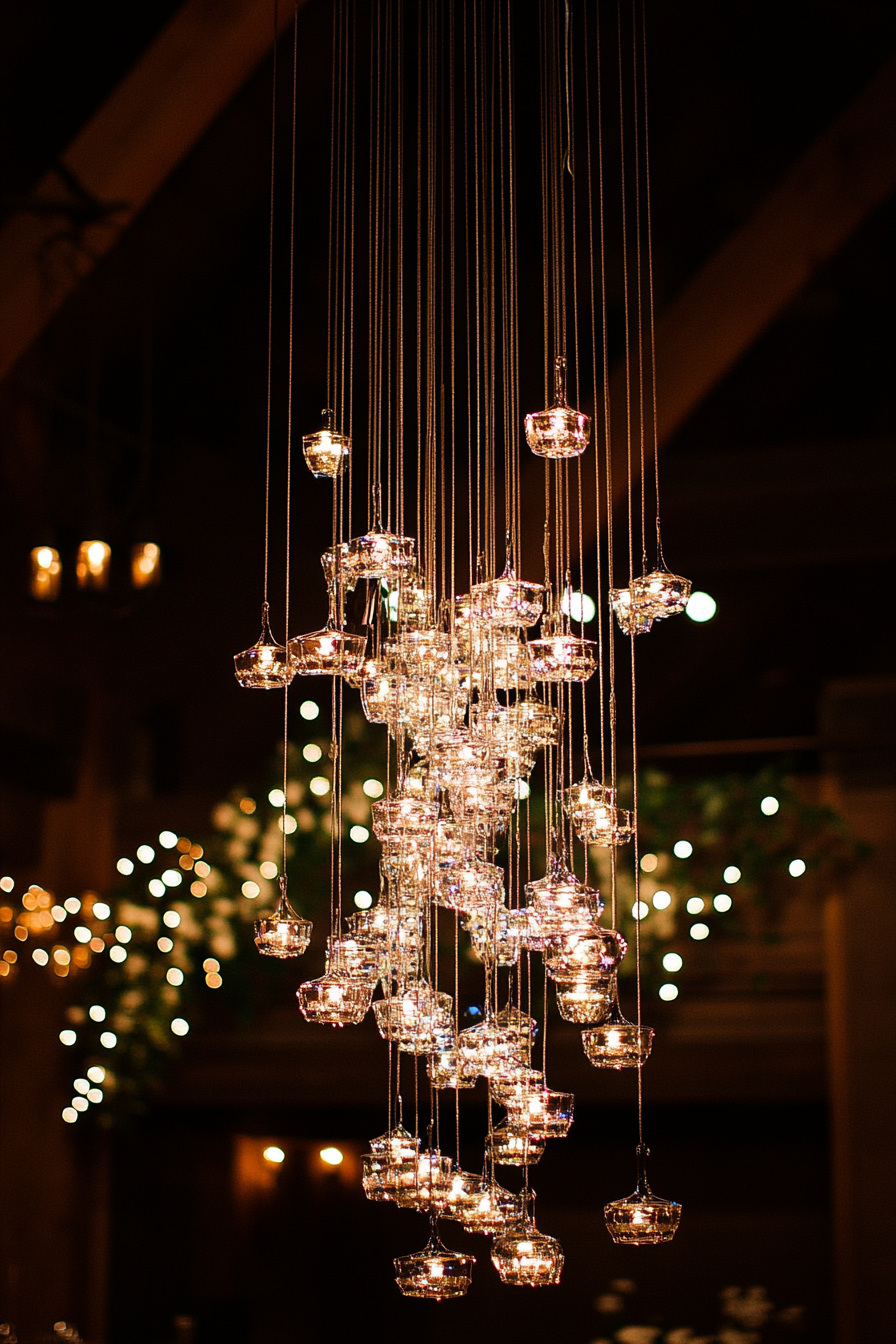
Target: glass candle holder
[[461, 1191], [543, 1114], [617, 1043], [579, 956], [376, 555], [561, 902], [643, 1218], [435, 1272], [668, 593], [415, 1019], [525, 1257], [471, 886], [558, 432], [446, 1069], [560, 657], [593, 812], [410, 818], [284, 933], [525, 1084], [326, 452], [585, 1000], [266, 666], [491, 1209], [509, 1147], [635, 611], [353, 958], [507, 602], [335, 1000], [423, 1182], [327, 653]]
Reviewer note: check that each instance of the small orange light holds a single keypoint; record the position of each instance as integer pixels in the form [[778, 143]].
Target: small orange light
[[46, 574], [274, 1155], [92, 567], [146, 564]]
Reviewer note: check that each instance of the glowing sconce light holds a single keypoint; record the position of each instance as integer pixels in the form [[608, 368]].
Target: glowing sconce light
[[332, 1156], [146, 564], [274, 1155], [46, 574], [92, 566]]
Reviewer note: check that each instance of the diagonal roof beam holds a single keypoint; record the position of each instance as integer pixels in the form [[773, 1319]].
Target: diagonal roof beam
[[147, 125], [801, 225]]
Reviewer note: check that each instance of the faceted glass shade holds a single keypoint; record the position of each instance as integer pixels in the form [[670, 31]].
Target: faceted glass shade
[[376, 555], [524, 1084], [667, 592], [284, 933], [593, 812], [335, 1000], [471, 886], [526, 1258], [510, 1147], [558, 432], [423, 1182], [498, 937], [584, 1000], [562, 658], [507, 602], [448, 1070], [561, 903], [642, 1219], [581, 956], [634, 611], [404, 818], [491, 1209], [544, 1114], [353, 958], [434, 1272], [326, 452], [616, 1043], [327, 652], [386, 1154], [266, 666], [415, 1020]]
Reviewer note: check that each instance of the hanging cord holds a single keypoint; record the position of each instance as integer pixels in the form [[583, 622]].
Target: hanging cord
[[292, 252], [660, 558], [267, 446]]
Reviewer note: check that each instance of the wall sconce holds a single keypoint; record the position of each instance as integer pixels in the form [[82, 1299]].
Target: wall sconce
[[92, 568], [46, 574], [146, 564]]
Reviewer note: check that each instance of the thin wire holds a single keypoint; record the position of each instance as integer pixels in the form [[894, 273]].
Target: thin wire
[[292, 251], [267, 447]]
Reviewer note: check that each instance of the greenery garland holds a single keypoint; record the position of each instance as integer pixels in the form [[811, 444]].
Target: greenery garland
[[172, 947]]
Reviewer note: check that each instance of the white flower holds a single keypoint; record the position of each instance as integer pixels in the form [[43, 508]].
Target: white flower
[[638, 1334]]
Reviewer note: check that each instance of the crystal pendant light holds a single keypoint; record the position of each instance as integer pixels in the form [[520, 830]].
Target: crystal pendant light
[[509, 1147], [507, 602], [423, 1183], [642, 1219], [284, 933], [266, 666], [328, 652], [593, 812], [491, 1208], [543, 1114], [578, 956], [447, 1069], [560, 903], [585, 1000], [435, 1272], [525, 1257], [326, 452], [649, 598], [617, 1043], [558, 432], [335, 1000], [416, 1019], [559, 656], [387, 1152]]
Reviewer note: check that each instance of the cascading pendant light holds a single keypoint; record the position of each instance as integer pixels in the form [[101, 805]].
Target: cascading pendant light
[[484, 690]]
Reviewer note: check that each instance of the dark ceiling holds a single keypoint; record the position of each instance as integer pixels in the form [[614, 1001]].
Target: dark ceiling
[[778, 489]]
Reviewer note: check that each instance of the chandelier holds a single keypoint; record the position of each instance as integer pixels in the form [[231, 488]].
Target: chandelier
[[499, 715]]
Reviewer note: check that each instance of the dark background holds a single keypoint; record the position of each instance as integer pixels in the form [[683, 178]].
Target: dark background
[[777, 501]]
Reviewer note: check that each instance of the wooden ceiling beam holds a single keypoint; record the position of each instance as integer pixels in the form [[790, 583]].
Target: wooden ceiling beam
[[139, 135]]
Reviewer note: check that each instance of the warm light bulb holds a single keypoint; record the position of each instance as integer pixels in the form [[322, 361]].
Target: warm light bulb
[[332, 1156], [274, 1155]]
